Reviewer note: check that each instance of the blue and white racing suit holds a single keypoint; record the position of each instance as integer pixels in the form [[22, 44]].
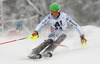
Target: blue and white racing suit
[[59, 25]]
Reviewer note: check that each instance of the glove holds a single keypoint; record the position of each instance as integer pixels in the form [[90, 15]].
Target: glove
[[34, 36], [83, 39], [35, 33]]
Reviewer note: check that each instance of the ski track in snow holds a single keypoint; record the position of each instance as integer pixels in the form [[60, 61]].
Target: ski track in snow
[[75, 53]]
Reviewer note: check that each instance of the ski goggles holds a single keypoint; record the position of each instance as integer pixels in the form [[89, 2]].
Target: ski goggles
[[56, 12]]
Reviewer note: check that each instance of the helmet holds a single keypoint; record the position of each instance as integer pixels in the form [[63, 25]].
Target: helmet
[[19, 24], [54, 7]]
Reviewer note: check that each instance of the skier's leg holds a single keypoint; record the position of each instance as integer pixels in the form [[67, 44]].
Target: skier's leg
[[52, 46], [39, 48]]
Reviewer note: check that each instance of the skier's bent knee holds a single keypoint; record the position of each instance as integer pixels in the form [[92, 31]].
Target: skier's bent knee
[[49, 41]]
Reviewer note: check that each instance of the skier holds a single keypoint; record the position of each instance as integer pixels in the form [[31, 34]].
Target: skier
[[58, 22], [16, 32]]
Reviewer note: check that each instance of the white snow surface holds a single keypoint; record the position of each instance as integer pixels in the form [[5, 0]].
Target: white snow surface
[[74, 53]]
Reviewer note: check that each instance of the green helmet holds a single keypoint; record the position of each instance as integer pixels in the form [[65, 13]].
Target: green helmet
[[54, 7]]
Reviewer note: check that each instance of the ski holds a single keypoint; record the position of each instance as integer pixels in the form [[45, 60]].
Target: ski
[[48, 54], [39, 56]]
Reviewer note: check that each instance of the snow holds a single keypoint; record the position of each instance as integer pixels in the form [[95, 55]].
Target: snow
[[75, 53]]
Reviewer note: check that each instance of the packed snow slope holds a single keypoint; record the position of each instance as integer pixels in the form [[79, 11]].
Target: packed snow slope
[[74, 53]]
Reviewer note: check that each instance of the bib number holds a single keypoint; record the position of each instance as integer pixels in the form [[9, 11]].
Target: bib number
[[58, 24]]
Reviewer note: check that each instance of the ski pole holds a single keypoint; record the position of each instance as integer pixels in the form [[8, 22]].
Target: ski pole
[[13, 40], [32, 37], [60, 45]]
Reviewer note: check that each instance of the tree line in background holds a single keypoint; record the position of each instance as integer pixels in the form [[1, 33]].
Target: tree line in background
[[85, 12]]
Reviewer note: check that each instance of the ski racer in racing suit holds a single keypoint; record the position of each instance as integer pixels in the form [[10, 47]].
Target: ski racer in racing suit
[[17, 32], [58, 21]]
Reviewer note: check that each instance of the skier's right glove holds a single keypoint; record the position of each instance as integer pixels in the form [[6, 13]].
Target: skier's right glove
[[34, 36], [35, 33], [83, 39]]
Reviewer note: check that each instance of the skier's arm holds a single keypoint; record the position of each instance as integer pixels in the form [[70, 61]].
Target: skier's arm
[[74, 24], [42, 23], [35, 34]]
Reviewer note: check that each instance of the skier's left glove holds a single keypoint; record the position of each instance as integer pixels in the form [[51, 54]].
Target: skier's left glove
[[34, 36], [83, 39]]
